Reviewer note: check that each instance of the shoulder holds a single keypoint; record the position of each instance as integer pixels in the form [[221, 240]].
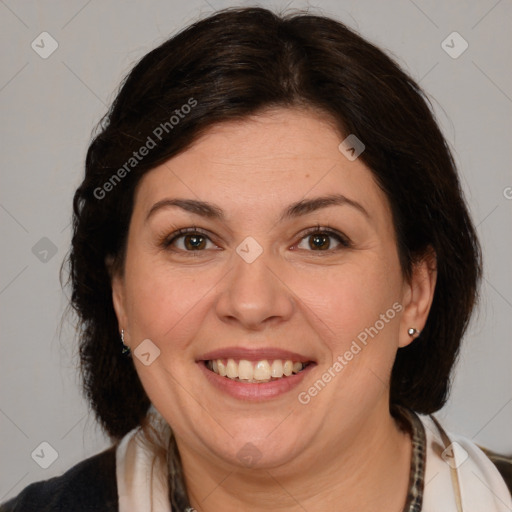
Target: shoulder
[[503, 463], [88, 486], [459, 471]]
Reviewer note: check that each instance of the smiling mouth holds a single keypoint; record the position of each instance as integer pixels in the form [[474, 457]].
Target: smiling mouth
[[255, 372]]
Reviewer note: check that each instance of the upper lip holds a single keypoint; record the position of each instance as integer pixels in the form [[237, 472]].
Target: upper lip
[[255, 354]]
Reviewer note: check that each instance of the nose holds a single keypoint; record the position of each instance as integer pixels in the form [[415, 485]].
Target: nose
[[253, 295]]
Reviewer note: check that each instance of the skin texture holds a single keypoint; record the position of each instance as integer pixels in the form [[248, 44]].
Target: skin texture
[[342, 450]]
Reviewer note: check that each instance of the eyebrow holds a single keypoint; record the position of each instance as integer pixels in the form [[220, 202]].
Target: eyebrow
[[298, 209]]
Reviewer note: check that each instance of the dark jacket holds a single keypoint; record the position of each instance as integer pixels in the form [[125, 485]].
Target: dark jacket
[[89, 486]]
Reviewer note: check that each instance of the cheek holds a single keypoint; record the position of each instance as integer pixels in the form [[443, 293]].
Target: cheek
[[163, 303], [348, 301]]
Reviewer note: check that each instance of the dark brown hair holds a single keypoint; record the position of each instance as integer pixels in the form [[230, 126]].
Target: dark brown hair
[[234, 64]]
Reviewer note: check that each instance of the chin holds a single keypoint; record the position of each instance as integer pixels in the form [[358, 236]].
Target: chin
[[257, 445]]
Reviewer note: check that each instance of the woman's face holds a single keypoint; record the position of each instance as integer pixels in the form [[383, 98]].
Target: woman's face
[[290, 255]]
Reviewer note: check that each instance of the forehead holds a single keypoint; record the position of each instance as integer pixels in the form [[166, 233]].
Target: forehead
[[263, 162]]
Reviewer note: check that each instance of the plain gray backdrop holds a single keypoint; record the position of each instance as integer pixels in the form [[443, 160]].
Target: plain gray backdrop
[[49, 107]]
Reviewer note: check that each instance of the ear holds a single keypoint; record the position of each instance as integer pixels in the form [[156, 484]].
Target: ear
[[118, 295], [418, 296]]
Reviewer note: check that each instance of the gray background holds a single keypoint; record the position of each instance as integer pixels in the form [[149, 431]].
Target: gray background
[[49, 108]]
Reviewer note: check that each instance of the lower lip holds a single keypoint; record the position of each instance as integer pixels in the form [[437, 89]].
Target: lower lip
[[251, 391]]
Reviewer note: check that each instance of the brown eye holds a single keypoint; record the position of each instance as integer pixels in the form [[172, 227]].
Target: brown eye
[[321, 241], [194, 242], [188, 240]]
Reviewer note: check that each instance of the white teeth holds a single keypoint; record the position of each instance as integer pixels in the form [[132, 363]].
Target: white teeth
[[288, 368], [231, 369], [255, 371], [277, 368], [222, 368], [261, 370], [245, 370]]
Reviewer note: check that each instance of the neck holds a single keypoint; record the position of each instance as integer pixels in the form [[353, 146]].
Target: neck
[[367, 472]]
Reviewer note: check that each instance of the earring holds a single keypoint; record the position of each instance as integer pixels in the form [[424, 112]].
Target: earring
[[413, 332], [126, 349]]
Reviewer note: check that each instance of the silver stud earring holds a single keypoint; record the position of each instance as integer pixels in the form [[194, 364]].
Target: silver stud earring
[[126, 349], [413, 332]]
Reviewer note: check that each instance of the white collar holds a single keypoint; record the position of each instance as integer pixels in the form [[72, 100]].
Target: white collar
[[459, 477], [141, 471]]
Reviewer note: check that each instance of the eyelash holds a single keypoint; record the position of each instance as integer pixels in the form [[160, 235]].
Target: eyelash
[[323, 230]]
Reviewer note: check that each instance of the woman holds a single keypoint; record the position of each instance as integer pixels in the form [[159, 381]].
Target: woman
[[273, 265]]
